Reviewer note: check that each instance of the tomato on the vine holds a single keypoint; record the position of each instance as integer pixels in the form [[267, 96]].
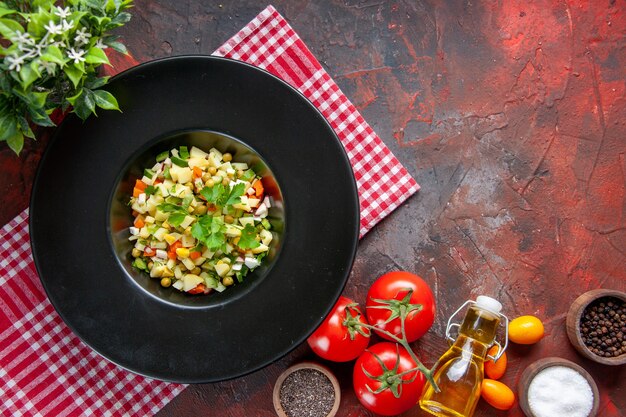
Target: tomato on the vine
[[377, 384], [397, 293], [340, 338]]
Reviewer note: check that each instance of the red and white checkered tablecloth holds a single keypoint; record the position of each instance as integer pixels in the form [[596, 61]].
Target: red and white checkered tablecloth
[[45, 370]]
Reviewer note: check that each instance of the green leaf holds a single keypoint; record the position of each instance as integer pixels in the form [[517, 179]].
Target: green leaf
[[117, 46], [248, 238], [53, 54], [105, 100], [4, 12], [121, 19], [8, 28], [39, 98], [24, 126], [212, 194], [96, 56], [39, 116], [29, 74], [150, 189], [37, 22], [176, 219], [74, 73], [170, 208], [235, 194], [16, 142], [8, 127], [96, 82], [85, 104]]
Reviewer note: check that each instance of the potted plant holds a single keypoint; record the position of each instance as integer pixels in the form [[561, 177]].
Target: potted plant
[[50, 52]]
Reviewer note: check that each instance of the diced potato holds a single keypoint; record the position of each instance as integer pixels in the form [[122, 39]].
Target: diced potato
[[253, 202], [139, 208], [144, 233], [261, 248], [187, 222], [191, 281], [217, 153], [160, 233], [199, 261], [160, 216], [149, 219], [240, 166], [188, 263], [171, 264], [198, 162], [177, 272], [163, 189], [222, 268], [266, 237], [232, 231], [188, 241], [225, 166], [159, 245], [181, 175], [178, 285], [246, 220], [197, 153]]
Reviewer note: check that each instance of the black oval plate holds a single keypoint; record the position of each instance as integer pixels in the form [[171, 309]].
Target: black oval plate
[[97, 298]]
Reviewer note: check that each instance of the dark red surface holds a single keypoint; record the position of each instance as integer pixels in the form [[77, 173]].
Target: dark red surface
[[511, 116]]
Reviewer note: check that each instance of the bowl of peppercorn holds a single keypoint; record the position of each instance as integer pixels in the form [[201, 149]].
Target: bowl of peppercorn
[[596, 326]]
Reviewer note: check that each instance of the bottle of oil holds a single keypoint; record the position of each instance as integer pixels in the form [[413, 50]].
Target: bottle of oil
[[459, 372]]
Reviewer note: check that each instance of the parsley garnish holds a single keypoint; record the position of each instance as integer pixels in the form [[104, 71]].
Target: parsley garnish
[[210, 231], [248, 238], [221, 195]]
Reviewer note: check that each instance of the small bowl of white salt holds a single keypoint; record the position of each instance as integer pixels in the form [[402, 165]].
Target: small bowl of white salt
[[557, 387]]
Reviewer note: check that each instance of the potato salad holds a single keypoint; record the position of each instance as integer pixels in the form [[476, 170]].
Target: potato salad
[[199, 220]]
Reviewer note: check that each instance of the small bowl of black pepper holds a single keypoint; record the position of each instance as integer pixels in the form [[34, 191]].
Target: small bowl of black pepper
[[307, 389], [596, 326]]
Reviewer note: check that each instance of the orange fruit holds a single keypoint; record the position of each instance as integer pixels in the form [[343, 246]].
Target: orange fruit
[[495, 370], [525, 330], [497, 394]]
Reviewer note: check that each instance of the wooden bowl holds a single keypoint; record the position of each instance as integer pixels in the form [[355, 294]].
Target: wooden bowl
[[306, 365], [533, 369], [573, 324]]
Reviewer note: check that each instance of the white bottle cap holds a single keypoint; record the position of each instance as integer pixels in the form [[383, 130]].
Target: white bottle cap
[[489, 304]]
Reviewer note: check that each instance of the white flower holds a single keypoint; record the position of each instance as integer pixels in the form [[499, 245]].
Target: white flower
[[67, 25], [100, 44], [15, 62], [53, 29], [63, 13], [49, 67], [77, 56], [22, 40], [82, 37]]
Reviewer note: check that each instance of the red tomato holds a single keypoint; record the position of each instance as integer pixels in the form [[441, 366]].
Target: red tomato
[[335, 339], [409, 386], [396, 286]]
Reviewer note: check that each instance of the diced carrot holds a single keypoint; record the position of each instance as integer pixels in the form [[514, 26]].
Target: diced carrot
[[171, 252], [197, 172], [199, 289], [258, 188], [139, 222], [137, 192], [194, 255], [149, 252], [158, 181], [135, 213], [140, 185]]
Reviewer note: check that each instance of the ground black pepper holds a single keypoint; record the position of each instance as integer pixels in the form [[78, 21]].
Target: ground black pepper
[[307, 393], [603, 326]]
